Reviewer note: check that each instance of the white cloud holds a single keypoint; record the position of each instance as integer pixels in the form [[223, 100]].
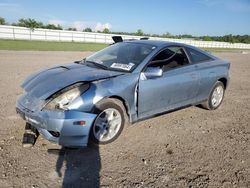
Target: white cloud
[[100, 27], [79, 25], [57, 22], [95, 26]]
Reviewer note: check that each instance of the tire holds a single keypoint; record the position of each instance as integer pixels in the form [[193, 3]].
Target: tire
[[214, 102], [109, 123]]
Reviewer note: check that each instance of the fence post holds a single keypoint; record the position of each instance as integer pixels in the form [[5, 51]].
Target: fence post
[[30, 34], [14, 34]]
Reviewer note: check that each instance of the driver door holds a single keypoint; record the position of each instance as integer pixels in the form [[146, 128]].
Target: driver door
[[177, 86]]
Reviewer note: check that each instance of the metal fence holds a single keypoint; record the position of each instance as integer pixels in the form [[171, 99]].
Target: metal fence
[[22, 33]]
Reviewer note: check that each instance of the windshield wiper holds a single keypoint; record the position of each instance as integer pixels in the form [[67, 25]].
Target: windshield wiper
[[81, 61], [96, 64]]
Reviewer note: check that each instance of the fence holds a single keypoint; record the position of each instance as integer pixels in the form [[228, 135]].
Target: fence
[[22, 33]]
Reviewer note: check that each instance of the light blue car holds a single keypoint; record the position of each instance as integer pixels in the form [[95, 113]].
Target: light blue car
[[93, 99]]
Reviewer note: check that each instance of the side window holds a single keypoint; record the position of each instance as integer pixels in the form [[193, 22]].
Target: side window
[[197, 57], [170, 58]]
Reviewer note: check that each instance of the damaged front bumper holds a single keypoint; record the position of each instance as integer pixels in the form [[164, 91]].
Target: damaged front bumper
[[61, 127]]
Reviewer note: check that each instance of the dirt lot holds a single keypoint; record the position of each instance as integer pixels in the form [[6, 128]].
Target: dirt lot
[[192, 147]]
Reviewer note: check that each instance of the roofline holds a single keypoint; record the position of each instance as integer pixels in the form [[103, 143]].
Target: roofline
[[163, 44]]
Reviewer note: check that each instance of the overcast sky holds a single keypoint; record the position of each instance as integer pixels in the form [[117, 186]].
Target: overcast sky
[[196, 17]]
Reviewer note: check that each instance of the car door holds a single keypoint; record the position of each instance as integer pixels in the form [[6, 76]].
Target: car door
[[177, 86]]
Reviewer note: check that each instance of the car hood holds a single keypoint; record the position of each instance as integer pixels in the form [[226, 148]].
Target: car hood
[[47, 82]]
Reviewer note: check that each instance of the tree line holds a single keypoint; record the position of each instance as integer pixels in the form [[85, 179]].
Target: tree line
[[32, 23]]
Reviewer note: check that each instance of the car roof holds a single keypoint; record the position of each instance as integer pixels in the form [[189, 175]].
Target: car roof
[[162, 44], [157, 43]]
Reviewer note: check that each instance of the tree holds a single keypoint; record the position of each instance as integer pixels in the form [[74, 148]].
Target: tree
[[106, 30], [206, 38], [139, 32], [52, 26], [166, 35], [2, 21], [30, 23], [72, 29], [186, 36], [88, 29]]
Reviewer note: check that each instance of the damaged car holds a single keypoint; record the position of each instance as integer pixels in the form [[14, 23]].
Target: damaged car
[[93, 99]]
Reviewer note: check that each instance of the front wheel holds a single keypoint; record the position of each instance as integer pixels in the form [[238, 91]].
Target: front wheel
[[109, 122], [216, 96]]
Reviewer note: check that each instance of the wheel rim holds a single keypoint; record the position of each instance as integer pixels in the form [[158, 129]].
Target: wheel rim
[[217, 96], [107, 124]]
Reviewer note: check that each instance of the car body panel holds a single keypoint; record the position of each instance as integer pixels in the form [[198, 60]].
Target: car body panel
[[211, 72], [54, 79], [71, 134], [142, 97], [168, 90], [121, 87]]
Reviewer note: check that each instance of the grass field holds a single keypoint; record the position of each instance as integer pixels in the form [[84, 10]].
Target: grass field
[[214, 50], [25, 45]]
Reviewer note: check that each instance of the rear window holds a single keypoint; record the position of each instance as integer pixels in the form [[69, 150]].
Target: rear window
[[197, 57]]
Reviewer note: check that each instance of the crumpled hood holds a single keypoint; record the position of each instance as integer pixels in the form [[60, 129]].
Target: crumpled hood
[[45, 83]]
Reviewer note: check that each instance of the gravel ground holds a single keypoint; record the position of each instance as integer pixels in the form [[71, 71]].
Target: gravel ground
[[192, 147]]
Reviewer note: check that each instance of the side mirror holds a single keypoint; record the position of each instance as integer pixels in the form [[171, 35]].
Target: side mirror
[[151, 72]]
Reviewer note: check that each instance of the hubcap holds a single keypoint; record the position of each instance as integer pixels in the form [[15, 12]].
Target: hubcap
[[217, 96], [107, 124]]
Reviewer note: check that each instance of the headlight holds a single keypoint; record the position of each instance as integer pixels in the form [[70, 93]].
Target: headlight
[[62, 99]]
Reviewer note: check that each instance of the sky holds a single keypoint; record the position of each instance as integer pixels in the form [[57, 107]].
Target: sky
[[195, 17]]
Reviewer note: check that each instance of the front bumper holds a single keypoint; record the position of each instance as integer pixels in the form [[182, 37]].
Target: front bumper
[[70, 134]]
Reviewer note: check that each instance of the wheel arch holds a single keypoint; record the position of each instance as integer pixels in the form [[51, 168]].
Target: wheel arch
[[122, 100], [224, 81]]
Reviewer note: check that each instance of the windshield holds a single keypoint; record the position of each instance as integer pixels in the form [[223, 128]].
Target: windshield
[[121, 56]]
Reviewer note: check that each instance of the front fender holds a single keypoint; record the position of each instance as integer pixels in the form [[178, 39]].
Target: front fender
[[121, 87]]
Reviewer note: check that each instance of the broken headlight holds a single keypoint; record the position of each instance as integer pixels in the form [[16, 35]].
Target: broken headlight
[[62, 99]]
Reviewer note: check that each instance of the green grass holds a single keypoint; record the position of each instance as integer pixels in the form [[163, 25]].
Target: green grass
[[216, 50], [26, 45]]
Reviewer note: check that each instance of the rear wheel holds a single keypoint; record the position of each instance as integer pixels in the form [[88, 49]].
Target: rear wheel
[[216, 97], [109, 122]]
